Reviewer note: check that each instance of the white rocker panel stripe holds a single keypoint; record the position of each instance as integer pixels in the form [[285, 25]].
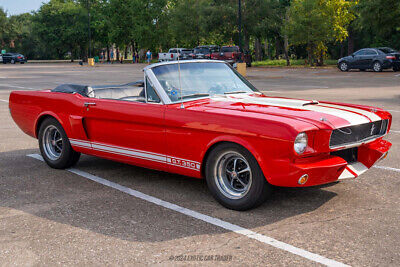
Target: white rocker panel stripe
[[139, 154]]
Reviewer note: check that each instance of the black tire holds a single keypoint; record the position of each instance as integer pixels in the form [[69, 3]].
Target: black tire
[[256, 192], [343, 66], [377, 66], [12, 61], [66, 157], [395, 69]]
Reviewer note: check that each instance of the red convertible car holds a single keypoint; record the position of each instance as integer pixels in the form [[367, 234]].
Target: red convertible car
[[203, 119]]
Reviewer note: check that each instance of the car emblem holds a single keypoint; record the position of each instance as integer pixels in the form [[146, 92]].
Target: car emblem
[[372, 129]]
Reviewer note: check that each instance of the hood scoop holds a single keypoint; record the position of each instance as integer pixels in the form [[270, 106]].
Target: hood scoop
[[312, 102]]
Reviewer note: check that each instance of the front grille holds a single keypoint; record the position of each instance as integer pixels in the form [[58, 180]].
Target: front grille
[[358, 133], [349, 155]]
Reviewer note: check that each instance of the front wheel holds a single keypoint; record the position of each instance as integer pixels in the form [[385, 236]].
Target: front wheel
[[12, 61], [54, 145], [395, 69], [343, 66], [235, 179], [377, 66]]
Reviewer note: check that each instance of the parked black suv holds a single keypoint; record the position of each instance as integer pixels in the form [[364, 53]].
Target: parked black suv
[[376, 59], [204, 51], [13, 58]]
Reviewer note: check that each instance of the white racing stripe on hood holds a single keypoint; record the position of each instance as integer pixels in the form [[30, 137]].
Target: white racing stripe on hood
[[350, 116], [372, 116]]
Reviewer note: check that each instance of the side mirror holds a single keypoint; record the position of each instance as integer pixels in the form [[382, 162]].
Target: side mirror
[[352, 55]]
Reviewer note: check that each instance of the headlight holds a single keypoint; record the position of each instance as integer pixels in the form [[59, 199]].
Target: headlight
[[300, 143]]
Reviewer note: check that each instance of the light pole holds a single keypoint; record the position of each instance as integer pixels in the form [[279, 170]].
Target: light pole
[[240, 23], [89, 33]]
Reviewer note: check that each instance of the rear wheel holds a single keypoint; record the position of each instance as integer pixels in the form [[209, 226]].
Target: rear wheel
[[12, 61], [395, 69], [377, 66], [54, 145], [234, 177], [343, 66]]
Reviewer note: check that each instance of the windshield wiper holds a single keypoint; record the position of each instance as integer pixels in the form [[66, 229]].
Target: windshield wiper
[[195, 95], [235, 92]]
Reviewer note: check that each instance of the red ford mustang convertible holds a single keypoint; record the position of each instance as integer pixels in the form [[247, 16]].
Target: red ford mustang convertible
[[203, 119]]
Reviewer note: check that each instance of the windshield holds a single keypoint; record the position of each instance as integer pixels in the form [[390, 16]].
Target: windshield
[[201, 79], [201, 51], [229, 49], [387, 50]]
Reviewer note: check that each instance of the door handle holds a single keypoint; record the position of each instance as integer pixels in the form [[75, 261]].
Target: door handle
[[87, 104]]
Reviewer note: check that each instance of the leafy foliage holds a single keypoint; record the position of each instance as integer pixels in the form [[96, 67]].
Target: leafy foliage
[[313, 29]]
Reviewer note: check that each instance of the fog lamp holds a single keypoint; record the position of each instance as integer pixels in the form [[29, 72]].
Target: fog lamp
[[303, 179]]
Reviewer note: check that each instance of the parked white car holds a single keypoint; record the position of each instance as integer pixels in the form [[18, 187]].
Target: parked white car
[[171, 55]]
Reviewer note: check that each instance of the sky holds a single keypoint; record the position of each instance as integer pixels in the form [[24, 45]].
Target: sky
[[15, 7]]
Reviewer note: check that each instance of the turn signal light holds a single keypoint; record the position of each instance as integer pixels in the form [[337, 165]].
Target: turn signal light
[[303, 179]]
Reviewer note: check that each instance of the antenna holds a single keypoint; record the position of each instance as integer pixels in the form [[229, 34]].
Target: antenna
[[180, 84]]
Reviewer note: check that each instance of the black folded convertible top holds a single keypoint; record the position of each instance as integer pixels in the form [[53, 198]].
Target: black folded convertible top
[[72, 88]]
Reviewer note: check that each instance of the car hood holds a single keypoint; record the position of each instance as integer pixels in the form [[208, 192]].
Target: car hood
[[345, 58], [324, 115]]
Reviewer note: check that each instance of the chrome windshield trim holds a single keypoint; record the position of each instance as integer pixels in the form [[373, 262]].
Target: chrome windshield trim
[[182, 62], [164, 96], [157, 86]]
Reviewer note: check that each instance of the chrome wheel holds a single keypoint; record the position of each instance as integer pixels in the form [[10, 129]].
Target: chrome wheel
[[52, 142], [343, 66], [233, 175], [377, 66]]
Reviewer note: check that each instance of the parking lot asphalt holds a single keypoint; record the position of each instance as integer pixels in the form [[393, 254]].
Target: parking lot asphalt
[[60, 217]]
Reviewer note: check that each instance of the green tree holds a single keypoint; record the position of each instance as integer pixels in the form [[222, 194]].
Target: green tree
[[378, 22], [62, 25], [317, 22]]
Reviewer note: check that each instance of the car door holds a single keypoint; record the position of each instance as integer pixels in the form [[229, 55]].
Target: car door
[[369, 57], [6, 58], [130, 129], [357, 61]]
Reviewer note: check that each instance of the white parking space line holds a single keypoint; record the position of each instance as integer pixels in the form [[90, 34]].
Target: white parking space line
[[393, 110], [18, 87], [205, 218], [387, 168], [4, 100], [391, 131]]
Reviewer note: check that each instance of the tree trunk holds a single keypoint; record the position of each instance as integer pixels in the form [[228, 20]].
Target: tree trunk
[[266, 48], [350, 42], [277, 48], [286, 40], [309, 53], [246, 40], [108, 53], [321, 59], [341, 50], [257, 46]]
